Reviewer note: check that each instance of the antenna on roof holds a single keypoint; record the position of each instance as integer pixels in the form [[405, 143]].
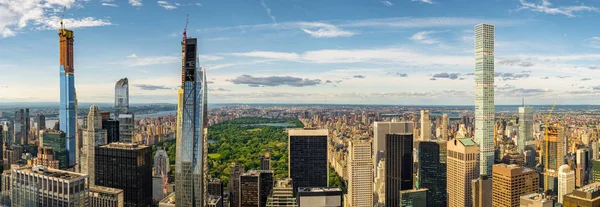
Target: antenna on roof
[[62, 26]]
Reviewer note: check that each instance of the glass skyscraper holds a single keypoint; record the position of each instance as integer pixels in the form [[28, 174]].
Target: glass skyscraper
[[484, 95], [191, 143], [121, 97], [67, 114]]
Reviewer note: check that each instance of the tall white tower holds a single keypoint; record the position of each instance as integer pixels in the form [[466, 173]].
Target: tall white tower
[[360, 174], [566, 181], [525, 127], [484, 95], [425, 125]]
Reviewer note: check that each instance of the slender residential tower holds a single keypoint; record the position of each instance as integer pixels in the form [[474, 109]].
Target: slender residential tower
[[191, 155], [67, 115], [484, 95], [525, 127], [121, 97]]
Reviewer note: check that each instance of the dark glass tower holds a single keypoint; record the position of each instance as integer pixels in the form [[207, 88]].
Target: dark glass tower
[[122, 97], [112, 128], [41, 120], [22, 126], [432, 171], [308, 158], [398, 166], [255, 187], [265, 161], [234, 184], [128, 167]]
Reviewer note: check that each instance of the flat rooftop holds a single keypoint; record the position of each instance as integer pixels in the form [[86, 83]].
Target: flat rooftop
[[124, 145], [49, 172], [170, 199], [329, 189], [467, 142], [308, 132], [106, 190]]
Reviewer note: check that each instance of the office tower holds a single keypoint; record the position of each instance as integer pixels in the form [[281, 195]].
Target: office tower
[[481, 191], [587, 196], [67, 114], [484, 95], [581, 172], [425, 125], [525, 127], [307, 164], [8, 128], [45, 157], [122, 97], [12, 155], [93, 136], [39, 186], [510, 182], [21, 126], [41, 121], [594, 149], [161, 163], [399, 166], [57, 141], [432, 171], [595, 170], [360, 174], [255, 188], [214, 201], [463, 166], [414, 197], [535, 200], [5, 194], [529, 158], [311, 197], [128, 167], [191, 142], [126, 127], [234, 184], [265, 161], [111, 126], [566, 181], [282, 195], [380, 129], [380, 183], [106, 197], [445, 127]]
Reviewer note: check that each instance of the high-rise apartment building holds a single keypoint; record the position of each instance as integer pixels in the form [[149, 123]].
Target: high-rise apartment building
[[432, 171], [93, 136], [191, 154], [484, 95], [57, 140], [586, 196], [307, 164], [380, 129], [234, 184], [282, 195], [122, 97], [399, 166], [510, 182], [360, 174], [40, 186], [312, 197], [463, 167], [67, 114], [566, 182], [265, 161], [21, 127], [425, 125], [126, 127], [106, 197], [525, 127], [128, 167]]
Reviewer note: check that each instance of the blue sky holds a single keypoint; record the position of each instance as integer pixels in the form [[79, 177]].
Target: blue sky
[[305, 51]]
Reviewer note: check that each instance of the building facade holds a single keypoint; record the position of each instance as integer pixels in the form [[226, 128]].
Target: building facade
[[106, 197], [566, 182], [126, 127], [484, 95], [57, 141], [399, 166], [463, 167], [425, 125], [535, 200], [510, 182], [265, 161], [360, 174], [432, 171], [380, 129], [282, 195], [525, 127], [67, 114], [233, 186], [414, 197], [40, 186], [311, 197], [122, 97], [587, 196], [93, 136], [21, 127], [307, 164], [45, 157]]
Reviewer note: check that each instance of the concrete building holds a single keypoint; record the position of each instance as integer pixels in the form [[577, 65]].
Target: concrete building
[[44, 157], [307, 164], [481, 191], [360, 174], [320, 197], [535, 200], [463, 166], [57, 141], [432, 171], [282, 195], [525, 127], [587, 196], [399, 166], [40, 186], [414, 197], [106, 197], [566, 181], [93, 136], [510, 182], [445, 121], [425, 126], [484, 95], [118, 162]]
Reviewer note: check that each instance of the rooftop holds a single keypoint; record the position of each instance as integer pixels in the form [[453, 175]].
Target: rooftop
[[124, 145], [321, 189], [308, 132], [170, 199], [60, 174], [213, 199], [467, 142], [107, 190], [536, 197]]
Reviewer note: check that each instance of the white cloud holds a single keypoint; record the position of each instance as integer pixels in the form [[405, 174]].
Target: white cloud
[[209, 57], [132, 56], [424, 37], [268, 10], [323, 30], [166, 5], [593, 42], [110, 5], [53, 23], [546, 7], [133, 60], [410, 22], [387, 3], [198, 4], [135, 2], [270, 55], [425, 1]]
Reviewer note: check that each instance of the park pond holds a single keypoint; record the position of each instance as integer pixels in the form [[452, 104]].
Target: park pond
[[282, 124]]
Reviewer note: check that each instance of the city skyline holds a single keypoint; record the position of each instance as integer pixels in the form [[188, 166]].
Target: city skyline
[[389, 55]]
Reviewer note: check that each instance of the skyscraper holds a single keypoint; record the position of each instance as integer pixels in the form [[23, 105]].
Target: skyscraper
[[380, 129], [414, 197], [106, 197], [282, 195], [307, 162], [525, 127], [234, 184], [67, 114], [463, 167], [425, 125], [586, 196], [255, 188], [360, 174], [111, 126], [128, 167], [445, 127], [161, 163], [126, 127], [311, 197], [566, 181], [399, 166], [265, 161], [56, 140], [21, 126], [191, 156], [510, 182], [41, 121], [484, 95], [40, 186], [121, 97], [432, 171], [93, 136]]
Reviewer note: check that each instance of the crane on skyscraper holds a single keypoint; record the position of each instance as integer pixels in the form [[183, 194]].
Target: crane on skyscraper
[[546, 150], [185, 28]]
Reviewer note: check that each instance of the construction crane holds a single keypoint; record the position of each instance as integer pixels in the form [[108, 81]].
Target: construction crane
[[185, 28], [547, 146]]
